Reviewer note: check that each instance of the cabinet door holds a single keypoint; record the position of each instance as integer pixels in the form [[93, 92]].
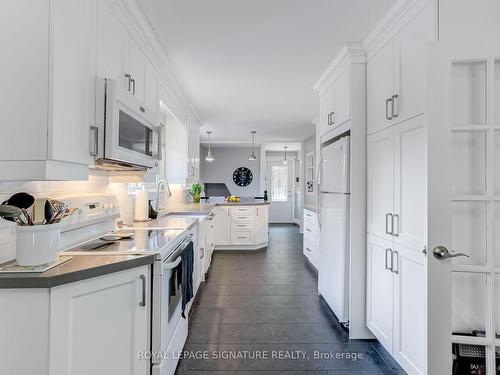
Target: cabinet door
[[342, 99], [151, 94], [136, 67], [410, 183], [97, 326], [325, 105], [409, 65], [111, 44], [261, 224], [380, 71], [410, 309], [380, 183], [222, 226], [380, 290]]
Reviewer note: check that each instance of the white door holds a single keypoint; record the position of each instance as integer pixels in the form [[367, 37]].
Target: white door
[[380, 89], [279, 182], [99, 325], [464, 205], [222, 226], [261, 224], [335, 167], [380, 290], [333, 275], [380, 183]]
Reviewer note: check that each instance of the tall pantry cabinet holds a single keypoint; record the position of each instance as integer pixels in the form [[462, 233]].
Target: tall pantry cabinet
[[397, 183]]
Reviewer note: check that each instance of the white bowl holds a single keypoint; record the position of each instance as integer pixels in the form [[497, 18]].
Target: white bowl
[[37, 244]]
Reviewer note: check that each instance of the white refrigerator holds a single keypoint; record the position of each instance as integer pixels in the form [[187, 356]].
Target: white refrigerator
[[334, 219]]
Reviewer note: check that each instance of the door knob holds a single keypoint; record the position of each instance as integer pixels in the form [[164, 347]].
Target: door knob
[[441, 252]]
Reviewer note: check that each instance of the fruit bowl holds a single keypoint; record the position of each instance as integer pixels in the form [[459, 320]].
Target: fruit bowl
[[232, 198]]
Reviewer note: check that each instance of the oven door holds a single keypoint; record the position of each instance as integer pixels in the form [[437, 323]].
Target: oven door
[[131, 132], [167, 304]]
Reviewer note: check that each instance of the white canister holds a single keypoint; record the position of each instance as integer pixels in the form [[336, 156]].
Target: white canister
[[37, 244]]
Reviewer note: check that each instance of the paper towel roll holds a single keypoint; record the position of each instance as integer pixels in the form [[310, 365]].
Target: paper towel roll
[[141, 205]]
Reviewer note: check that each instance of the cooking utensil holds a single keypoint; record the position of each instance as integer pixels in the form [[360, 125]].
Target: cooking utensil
[[21, 200], [48, 211], [27, 217], [10, 212]]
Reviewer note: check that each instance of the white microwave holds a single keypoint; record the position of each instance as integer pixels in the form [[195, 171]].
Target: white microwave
[[126, 135]]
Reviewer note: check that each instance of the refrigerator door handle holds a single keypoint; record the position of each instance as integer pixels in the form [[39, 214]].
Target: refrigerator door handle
[[319, 191]]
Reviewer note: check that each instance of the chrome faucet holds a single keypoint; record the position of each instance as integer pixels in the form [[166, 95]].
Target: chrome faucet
[[158, 185]]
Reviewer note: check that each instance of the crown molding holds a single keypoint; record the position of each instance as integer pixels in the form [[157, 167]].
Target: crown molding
[[396, 19], [352, 53], [136, 23]]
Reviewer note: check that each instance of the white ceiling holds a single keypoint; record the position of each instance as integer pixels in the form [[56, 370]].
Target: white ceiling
[[251, 64]]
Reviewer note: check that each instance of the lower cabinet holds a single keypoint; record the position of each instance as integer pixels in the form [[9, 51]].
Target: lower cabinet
[[241, 227], [396, 301], [99, 325], [311, 237], [222, 226]]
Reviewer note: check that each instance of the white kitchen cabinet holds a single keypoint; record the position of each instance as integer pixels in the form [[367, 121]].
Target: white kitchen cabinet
[[410, 303], [311, 237], [342, 99], [380, 290], [261, 224], [176, 142], [202, 251], [380, 183], [380, 89], [193, 151], [99, 325], [222, 226], [48, 106], [152, 89], [241, 227], [396, 183], [136, 67], [396, 73], [410, 184], [335, 103]]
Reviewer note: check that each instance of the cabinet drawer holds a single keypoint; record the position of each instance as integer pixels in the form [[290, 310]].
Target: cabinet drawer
[[310, 218], [243, 217], [242, 237], [237, 226], [238, 210]]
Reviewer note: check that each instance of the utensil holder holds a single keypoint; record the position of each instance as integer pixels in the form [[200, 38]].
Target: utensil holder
[[37, 244]]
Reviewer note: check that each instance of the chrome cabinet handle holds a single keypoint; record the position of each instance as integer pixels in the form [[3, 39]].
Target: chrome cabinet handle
[[386, 263], [329, 118], [387, 216], [308, 249], [388, 102], [395, 254], [395, 232], [333, 118], [441, 252], [143, 300], [133, 85], [129, 77], [94, 144], [395, 106], [202, 250]]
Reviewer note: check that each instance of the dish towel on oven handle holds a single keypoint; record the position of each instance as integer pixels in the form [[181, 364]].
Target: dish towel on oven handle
[[187, 263]]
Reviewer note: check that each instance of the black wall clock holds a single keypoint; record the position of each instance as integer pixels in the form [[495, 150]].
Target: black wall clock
[[242, 176]]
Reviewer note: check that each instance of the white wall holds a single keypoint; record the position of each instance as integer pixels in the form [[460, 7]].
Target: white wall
[[227, 160]]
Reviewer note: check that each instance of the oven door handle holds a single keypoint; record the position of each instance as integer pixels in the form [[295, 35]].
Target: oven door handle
[[173, 264]]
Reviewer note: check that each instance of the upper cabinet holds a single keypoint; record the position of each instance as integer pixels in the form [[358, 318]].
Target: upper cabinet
[[335, 103], [48, 97], [193, 150], [396, 73]]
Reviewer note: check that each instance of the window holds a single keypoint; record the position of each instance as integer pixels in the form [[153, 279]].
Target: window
[[279, 185]]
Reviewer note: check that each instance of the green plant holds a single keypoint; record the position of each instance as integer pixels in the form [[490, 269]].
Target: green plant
[[195, 192]]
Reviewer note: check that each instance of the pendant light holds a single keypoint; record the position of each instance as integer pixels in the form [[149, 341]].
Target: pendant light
[[252, 155], [285, 162], [209, 157]]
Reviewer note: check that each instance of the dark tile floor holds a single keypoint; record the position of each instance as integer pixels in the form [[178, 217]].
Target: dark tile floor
[[266, 304]]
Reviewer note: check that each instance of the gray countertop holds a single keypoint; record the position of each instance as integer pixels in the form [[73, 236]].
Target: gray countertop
[[310, 207], [80, 267]]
